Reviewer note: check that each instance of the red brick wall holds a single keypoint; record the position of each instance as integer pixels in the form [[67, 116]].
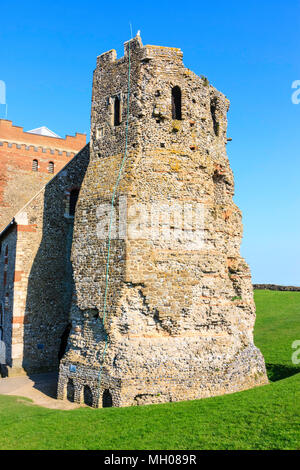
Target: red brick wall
[[16, 134], [18, 183]]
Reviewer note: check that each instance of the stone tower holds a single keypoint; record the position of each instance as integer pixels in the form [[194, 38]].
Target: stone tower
[[179, 310]]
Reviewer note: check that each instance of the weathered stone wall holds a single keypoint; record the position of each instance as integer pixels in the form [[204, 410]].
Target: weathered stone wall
[[39, 283], [18, 183], [180, 314]]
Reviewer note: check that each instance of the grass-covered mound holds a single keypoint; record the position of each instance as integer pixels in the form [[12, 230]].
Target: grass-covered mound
[[262, 418]]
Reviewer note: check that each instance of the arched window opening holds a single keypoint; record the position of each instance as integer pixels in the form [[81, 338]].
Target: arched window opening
[[64, 341], [35, 165], [51, 167], [176, 103], [117, 111], [107, 399], [70, 390], [73, 201], [87, 396]]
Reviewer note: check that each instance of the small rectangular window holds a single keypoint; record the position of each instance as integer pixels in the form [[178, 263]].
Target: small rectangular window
[[99, 132], [176, 103]]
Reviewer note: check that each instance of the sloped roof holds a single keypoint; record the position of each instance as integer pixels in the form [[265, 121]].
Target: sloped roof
[[43, 131]]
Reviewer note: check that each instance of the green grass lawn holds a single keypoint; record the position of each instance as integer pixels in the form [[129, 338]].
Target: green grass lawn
[[277, 326], [266, 417]]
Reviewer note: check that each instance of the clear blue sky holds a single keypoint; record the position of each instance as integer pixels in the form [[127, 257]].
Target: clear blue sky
[[249, 50]]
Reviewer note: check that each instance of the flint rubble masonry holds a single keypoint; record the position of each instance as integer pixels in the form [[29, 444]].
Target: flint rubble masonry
[[179, 321]]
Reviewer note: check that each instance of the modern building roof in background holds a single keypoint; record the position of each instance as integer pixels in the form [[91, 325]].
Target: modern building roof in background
[[43, 131]]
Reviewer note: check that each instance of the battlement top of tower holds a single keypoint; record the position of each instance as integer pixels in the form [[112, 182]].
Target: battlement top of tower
[[145, 53]]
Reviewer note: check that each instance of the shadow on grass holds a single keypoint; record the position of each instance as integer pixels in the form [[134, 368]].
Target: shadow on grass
[[280, 371]]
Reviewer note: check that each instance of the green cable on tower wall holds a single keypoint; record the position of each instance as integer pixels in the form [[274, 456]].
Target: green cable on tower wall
[[111, 219]]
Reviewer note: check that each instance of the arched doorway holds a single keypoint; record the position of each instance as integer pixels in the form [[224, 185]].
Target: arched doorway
[[70, 390], [87, 396], [107, 399]]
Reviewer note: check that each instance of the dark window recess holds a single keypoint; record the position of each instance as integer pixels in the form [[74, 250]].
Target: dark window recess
[[117, 111], [73, 201], [87, 396], [107, 399], [51, 167], [176, 103], [213, 108], [35, 165], [70, 390], [64, 341]]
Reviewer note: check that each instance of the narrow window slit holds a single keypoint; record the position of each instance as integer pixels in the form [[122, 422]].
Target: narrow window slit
[[117, 111], [176, 103]]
